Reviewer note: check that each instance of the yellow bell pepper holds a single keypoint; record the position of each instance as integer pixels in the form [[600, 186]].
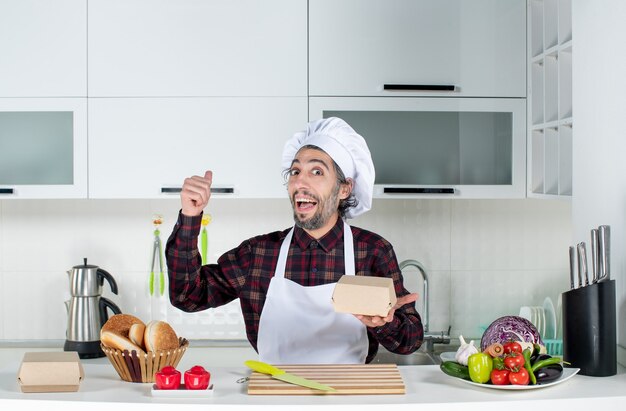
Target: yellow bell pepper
[[480, 366]]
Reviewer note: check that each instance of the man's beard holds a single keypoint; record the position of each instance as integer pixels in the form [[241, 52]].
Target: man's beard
[[325, 209]]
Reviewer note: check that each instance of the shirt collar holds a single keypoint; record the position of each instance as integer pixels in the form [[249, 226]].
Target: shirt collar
[[327, 242]]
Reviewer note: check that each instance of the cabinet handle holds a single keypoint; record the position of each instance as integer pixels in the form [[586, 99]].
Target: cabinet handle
[[216, 190], [415, 190], [6, 191], [420, 87]]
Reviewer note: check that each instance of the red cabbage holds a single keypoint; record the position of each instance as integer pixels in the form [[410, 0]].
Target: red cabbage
[[510, 328]]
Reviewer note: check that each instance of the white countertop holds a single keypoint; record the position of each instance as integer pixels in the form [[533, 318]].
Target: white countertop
[[425, 385]]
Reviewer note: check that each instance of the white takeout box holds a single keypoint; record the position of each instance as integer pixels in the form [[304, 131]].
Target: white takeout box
[[50, 372], [358, 294]]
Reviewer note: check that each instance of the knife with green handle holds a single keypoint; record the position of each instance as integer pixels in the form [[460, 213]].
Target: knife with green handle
[[279, 374]]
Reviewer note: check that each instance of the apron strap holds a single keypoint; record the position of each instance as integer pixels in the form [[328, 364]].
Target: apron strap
[[348, 249], [282, 257]]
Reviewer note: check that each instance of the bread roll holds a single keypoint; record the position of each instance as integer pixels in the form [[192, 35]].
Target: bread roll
[[135, 334], [159, 336], [120, 324], [111, 339]]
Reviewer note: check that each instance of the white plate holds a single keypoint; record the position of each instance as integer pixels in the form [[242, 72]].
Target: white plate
[[526, 312], [567, 374], [448, 356], [181, 392], [539, 320], [548, 308]]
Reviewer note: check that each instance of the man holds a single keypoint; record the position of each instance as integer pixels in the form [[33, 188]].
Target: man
[[285, 279]]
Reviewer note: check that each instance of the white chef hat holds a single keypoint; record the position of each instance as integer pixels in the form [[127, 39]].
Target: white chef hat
[[347, 148]]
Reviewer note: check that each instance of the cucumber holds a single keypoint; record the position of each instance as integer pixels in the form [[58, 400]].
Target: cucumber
[[455, 369]]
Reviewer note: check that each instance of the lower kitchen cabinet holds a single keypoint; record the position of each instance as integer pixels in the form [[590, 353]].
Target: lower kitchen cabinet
[[43, 148], [146, 147]]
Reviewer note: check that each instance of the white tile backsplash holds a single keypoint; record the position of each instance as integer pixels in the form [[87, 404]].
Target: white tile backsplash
[[33, 304], [2, 308], [2, 285], [473, 250], [510, 234], [418, 229], [477, 298]]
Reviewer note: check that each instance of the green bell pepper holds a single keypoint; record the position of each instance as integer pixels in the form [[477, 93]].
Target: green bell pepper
[[480, 366], [531, 374]]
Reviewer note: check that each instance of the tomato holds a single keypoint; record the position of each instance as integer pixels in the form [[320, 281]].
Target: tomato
[[480, 366], [520, 377], [500, 377], [514, 361], [512, 346]]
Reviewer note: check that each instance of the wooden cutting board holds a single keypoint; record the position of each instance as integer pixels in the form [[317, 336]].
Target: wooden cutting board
[[362, 379]]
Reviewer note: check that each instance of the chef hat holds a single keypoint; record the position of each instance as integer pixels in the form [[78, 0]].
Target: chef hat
[[347, 148]]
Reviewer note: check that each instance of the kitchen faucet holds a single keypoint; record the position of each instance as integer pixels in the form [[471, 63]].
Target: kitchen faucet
[[431, 338]]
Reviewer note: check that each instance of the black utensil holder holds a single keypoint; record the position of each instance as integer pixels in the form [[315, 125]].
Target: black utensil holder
[[589, 329]]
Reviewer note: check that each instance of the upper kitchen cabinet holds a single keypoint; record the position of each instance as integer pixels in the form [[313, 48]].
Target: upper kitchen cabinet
[[443, 147], [551, 121], [43, 148], [43, 48], [146, 147], [473, 48], [191, 48]]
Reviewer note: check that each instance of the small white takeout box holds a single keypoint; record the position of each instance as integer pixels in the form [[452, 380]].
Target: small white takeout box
[[365, 295]]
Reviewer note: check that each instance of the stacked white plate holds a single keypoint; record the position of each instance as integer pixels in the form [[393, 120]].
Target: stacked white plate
[[535, 315], [550, 319], [543, 318], [527, 312]]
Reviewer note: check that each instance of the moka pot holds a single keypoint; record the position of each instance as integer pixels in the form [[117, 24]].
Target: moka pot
[[87, 310]]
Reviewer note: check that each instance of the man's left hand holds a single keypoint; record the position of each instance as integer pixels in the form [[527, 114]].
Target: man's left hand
[[377, 321]]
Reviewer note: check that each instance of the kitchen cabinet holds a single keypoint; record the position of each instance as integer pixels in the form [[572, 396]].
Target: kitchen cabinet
[[550, 125], [43, 148], [185, 48], [358, 46], [193, 85], [146, 147], [43, 45], [438, 147]]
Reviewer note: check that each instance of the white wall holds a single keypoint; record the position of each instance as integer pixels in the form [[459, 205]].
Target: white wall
[[599, 67], [485, 258]]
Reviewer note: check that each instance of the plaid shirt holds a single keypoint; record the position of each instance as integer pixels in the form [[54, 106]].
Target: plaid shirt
[[245, 273]]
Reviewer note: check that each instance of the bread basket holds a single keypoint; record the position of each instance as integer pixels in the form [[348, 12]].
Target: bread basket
[[134, 367]]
